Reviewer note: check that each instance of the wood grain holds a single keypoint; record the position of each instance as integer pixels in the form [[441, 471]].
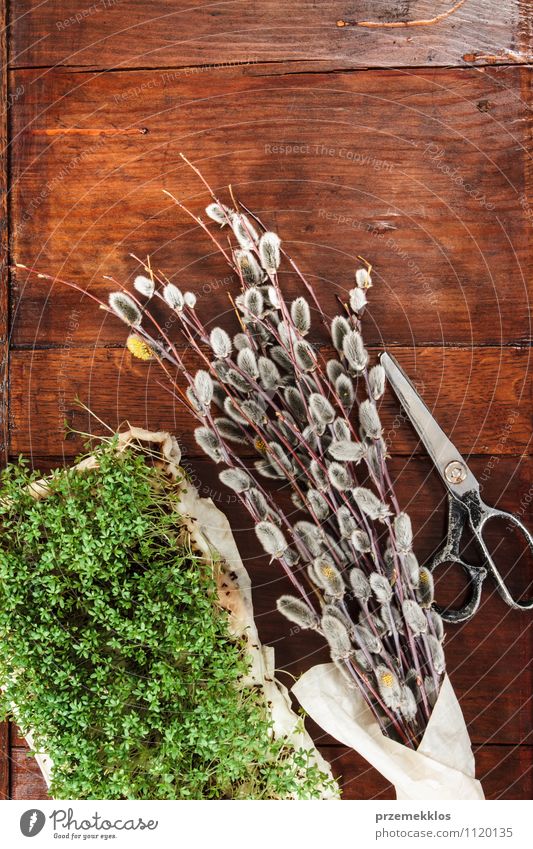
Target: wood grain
[[4, 760], [4, 306], [131, 33], [481, 397], [503, 770], [421, 172], [4, 238], [380, 143]]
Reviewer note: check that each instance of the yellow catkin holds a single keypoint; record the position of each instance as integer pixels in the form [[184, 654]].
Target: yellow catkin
[[260, 446], [139, 348], [387, 679], [327, 571]]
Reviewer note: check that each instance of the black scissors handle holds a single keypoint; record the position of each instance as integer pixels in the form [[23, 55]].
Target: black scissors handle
[[470, 510], [480, 513], [458, 518]]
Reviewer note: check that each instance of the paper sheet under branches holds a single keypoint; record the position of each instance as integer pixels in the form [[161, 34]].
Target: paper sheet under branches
[[441, 768]]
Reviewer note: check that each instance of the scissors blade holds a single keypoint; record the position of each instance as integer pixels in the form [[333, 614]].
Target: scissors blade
[[447, 459]]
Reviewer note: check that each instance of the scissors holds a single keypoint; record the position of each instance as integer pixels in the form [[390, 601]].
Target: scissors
[[465, 505]]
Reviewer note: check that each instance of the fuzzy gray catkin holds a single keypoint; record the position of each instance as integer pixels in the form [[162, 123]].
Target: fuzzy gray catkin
[[333, 610], [361, 588], [240, 341], [305, 356], [369, 419], [330, 578], [264, 468], [368, 640], [310, 536], [236, 479], [269, 252], [249, 267], [244, 232], [437, 653], [412, 568], [425, 591], [253, 301], [337, 636], [301, 315], [340, 328], [219, 213], [258, 502], [271, 538], [357, 300], [380, 587], [431, 690], [361, 541], [389, 687], [339, 476], [203, 387], [279, 458], [195, 402], [318, 504], [346, 451], [363, 278], [238, 381], [294, 401], [333, 370], [144, 285], [436, 623], [370, 504], [125, 308], [174, 297], [345, 391], [376, 380], [345, 521], [208, 442], [392, 619], [414, 617], [268, 373], [403, 533], [254, 411], [220, 343], [341, 430], [221, 368], [321, 409], [247, 362], [297, 611], [408, 707], [354, 350]]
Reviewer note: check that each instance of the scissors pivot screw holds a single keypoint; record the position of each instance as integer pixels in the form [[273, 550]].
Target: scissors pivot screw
[[455, 472]]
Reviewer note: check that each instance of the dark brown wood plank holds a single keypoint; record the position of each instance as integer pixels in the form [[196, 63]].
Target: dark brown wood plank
[[4, 302], [421, 172], [27, 781], [482, 398], [4, 760], [165, 32], [505, 772]]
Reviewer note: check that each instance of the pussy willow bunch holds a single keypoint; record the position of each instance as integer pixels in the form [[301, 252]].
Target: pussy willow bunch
[[269, 391]]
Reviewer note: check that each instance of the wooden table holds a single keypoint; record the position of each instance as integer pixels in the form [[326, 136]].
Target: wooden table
[[410, 146]]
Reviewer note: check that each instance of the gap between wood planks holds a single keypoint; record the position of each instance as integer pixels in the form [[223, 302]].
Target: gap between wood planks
[[472, 62]]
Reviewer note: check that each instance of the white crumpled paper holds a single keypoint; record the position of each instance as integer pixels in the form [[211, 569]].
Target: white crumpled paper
[[211, 534], [441, 768]]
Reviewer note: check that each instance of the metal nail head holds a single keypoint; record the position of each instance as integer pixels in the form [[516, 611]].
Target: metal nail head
[[455, 472]]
